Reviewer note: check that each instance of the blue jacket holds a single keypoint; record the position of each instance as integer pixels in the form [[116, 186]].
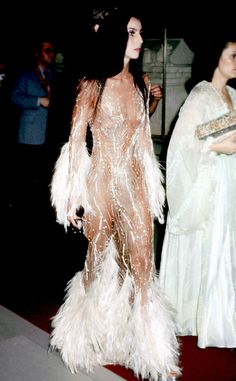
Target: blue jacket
[[32, 117]]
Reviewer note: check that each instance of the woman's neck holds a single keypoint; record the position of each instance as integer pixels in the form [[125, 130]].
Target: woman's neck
[[219, 82], [125, 73]]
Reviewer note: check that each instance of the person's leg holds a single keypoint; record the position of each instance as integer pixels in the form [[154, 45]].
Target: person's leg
[[134, 239], [98, 228]]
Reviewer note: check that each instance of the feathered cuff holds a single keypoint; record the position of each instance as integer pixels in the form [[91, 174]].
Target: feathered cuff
[[154, 179], [68, 187]]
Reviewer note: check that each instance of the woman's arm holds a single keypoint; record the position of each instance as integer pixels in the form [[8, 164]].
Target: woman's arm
[[155, 94], [69, 189], [190, 166]]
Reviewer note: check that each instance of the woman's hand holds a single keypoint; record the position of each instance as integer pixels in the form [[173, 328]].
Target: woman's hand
[[226, 145], [76, 220], [156, 92]]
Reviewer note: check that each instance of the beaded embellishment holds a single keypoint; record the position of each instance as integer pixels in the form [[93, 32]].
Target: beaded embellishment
[[218, 126]]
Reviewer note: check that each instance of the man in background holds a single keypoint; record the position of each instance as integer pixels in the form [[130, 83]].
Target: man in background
[[31, 97]]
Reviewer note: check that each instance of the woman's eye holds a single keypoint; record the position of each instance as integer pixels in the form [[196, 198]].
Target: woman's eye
[[131, 32]]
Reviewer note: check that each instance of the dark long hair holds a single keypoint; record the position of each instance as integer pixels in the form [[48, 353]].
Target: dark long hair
[[106, 51], [207, 56]]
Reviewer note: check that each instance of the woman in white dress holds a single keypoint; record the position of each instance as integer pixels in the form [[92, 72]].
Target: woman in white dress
[[198, 262], [114, 311]]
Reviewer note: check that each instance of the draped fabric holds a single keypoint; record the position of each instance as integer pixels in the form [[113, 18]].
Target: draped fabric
[[114, 311], [198, 264]]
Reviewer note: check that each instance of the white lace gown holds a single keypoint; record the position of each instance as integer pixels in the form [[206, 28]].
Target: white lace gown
[[114, 311], [198, 264]]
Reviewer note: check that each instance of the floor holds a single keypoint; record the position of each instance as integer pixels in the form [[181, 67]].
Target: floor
[[25, 355]]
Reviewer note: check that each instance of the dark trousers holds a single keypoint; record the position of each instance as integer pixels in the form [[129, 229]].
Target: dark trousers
[[31, 183]]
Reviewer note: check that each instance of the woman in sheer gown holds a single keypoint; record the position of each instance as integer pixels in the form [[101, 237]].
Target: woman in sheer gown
[[114, 312], [198, 263]]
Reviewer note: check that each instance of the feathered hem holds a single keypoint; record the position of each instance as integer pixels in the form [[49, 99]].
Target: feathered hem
[[107, 324]]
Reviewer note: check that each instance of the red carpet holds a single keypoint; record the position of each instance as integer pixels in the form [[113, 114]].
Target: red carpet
[[211, 364]]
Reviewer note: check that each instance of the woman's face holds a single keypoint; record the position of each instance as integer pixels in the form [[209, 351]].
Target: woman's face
[[227, 61], [135, 39]]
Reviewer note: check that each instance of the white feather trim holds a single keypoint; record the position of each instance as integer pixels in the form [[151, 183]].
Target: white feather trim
[[154, 344], [154, 179], [106, 324], [78, 180], [59, 186], [68, 188]]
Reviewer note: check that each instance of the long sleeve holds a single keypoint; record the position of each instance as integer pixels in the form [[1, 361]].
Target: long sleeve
[[153, 175], [69, 183], [191, 163], [26, 92], [152, 170]]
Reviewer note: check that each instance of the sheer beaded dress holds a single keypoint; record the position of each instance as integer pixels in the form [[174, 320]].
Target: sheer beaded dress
[[114, 311]]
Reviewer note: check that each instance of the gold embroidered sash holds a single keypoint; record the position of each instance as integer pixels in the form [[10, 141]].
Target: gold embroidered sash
[[218, 126]]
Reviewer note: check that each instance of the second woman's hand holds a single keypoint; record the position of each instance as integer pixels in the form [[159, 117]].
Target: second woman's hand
[[226, 146]]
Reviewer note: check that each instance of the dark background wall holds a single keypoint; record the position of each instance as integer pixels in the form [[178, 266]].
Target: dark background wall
[[20, 22]]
